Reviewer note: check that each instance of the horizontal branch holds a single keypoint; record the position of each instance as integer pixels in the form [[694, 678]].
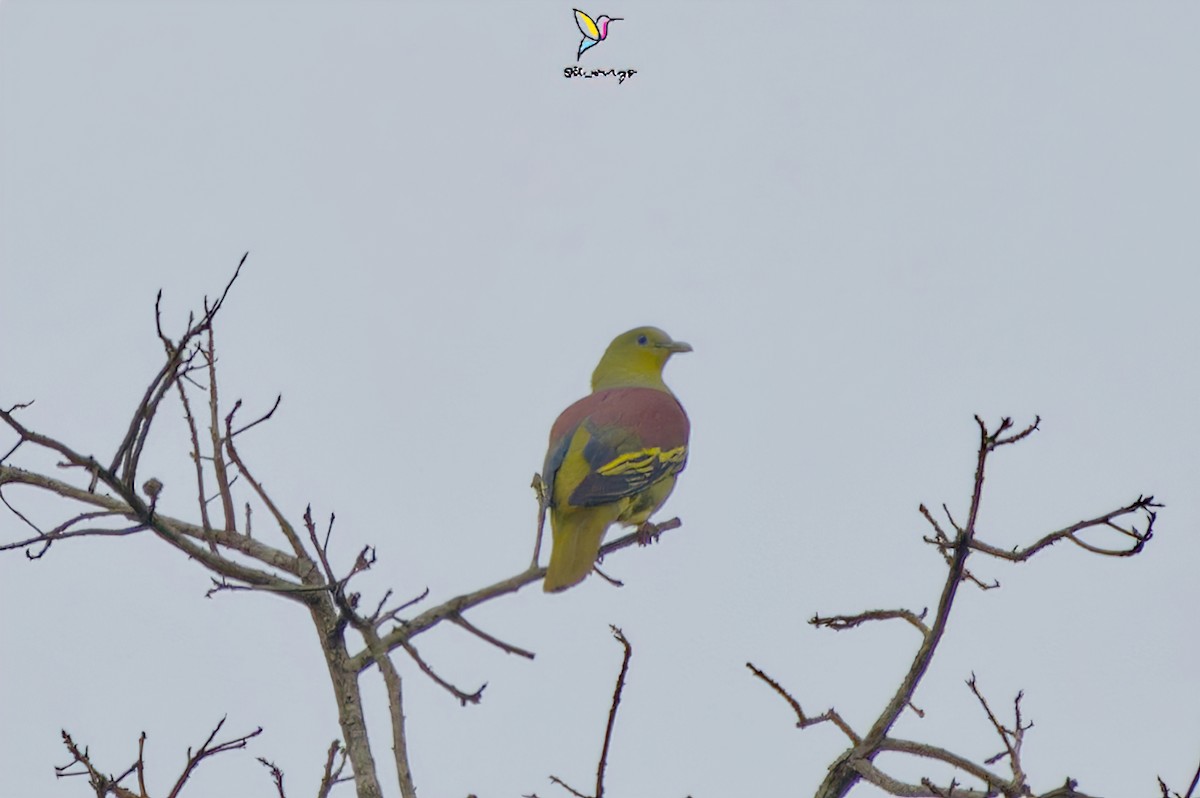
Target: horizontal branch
[[1144, 504], [173, 529], [406, 630], [87, 532], [894, 786], [840, 622], [453, 608], [927, 751], [64, 530]]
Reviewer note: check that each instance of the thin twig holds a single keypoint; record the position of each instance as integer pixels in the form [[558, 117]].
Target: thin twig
[[276, 775], [13, 450], [612, 580], [407, 630], [332, 775], [567, 787], [840, 622], [543, 500], [205, 751], [1144, 504], [220, 474], [463, 697], [508, 648], [382, 616], [202, 500], [141, 764], [129, 503], [19, 514], [264, 417], [64, 530], [612, 712], [803, 721], [1004, 734], [103, 785], [284, 525]]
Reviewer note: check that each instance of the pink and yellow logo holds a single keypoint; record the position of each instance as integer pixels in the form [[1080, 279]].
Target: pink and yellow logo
[[594, 30]]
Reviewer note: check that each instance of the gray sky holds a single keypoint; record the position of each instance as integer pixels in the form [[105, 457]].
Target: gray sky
[[872, 221]]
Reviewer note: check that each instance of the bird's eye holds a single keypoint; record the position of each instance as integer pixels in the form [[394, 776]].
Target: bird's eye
[[642, 340]]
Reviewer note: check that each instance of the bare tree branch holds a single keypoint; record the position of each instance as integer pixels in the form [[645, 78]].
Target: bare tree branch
[[173, 530], [276, 775], [1166, 793], [63, 531], [926, 789], [284, 525], [1192, 787], [206, 750], [102, 785], [108, 785], [447, 610], [220, 473], [612, 713], [568, 787], [857, 762], [840, 622], [332, 774], [307, 575], [463, 697], [508, 648], [543, 500], [803, 721], [939, 754], [197, 460], [1143, 504], [612, 719]]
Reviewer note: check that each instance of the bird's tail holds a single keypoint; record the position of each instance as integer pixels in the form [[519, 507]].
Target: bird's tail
[[577, 538]]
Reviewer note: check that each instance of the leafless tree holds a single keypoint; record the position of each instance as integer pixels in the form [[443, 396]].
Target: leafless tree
[[294, 562], [956, 543], [857, 762], [355, 639]]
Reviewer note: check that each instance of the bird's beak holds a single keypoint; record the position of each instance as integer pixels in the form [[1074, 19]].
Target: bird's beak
[[677, 346]]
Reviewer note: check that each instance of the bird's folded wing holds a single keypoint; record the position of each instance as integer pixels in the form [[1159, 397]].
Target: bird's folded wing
[[620, 469]]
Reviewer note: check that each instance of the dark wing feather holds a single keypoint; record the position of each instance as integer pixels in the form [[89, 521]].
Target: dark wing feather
[[622, 466], [636, 437], [554, 459]]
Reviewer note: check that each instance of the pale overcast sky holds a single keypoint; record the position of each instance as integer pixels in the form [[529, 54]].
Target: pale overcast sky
[[871, 220]]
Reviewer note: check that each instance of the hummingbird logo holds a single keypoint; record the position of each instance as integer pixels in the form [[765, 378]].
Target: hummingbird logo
[[594, 30]]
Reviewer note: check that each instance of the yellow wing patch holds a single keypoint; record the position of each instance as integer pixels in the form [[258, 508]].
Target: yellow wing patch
[[644, 462], [587, 26]]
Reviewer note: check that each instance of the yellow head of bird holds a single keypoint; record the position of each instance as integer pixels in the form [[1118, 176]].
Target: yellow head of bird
[[636, 358]]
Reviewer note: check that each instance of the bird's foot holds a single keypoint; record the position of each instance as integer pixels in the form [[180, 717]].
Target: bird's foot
[[647, 533]]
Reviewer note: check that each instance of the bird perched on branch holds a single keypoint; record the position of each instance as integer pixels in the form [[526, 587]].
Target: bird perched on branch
[[614, 455]]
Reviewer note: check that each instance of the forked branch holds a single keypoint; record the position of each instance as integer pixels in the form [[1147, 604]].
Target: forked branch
[[956, 547], [105, 785]]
